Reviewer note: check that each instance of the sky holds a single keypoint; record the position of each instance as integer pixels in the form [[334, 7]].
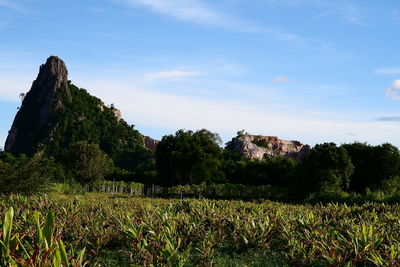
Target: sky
[[309, 70]]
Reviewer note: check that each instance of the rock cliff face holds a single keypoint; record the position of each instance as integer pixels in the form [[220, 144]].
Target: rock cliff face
[[259, 147], [150, 143], [32, 117], [117, 113]]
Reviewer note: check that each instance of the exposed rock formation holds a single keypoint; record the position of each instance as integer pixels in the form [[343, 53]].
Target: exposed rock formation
[[259, 147], [150, 143], [117, 113], [55, 113], [33, 115]]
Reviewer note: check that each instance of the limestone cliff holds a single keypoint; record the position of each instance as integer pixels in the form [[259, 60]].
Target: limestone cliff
[[259, 147]]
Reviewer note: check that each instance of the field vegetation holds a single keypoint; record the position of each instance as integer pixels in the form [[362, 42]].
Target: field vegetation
[[91, 198], [103, 230]]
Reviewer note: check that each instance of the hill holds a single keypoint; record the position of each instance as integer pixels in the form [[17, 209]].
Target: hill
[[55, 113]]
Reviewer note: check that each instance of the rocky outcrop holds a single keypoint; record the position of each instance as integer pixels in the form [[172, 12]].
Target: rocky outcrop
[[117, 113], [150, 143], [33, 115], [259, 147]]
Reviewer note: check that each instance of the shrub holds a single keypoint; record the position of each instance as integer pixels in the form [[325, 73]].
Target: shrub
[[26, 175]]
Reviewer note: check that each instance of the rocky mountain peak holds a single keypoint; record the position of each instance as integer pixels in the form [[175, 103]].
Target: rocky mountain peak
[[34, 111], [53, 73]]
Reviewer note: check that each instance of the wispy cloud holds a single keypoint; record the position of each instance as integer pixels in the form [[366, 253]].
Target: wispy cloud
[[392, 119], [187, 10], [394, 90], [281, 79], [387, 71], [14, 5], [200, 12], [349, 14], [170, 74], [343, 10]]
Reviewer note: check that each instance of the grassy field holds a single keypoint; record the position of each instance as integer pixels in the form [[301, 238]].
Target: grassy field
[[100, 230]]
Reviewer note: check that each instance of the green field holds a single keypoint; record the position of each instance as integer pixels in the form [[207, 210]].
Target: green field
[[125, 231]]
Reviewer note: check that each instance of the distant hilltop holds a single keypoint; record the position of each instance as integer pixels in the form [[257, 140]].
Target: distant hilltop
[[259, 147]]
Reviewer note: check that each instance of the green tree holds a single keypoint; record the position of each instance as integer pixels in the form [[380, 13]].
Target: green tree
[[387, 161], [277, 171], [28, 176], [87, 162], [373, 164], [327, 168], [189, 158], [363, 158]]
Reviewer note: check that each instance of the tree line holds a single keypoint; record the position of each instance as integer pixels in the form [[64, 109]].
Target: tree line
[[196, 157]]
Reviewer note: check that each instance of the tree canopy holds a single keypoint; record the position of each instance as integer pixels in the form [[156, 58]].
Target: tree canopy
[[87, 162], [189, 158], [327, 168]]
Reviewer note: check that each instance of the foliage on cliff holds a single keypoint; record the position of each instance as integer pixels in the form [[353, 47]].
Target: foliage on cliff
[[86, 118], [76, 116]]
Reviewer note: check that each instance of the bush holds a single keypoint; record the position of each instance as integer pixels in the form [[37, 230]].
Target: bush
[[26, 176], [87, 162]]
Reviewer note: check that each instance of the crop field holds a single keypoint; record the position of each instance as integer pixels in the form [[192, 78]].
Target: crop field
[[99, 230]]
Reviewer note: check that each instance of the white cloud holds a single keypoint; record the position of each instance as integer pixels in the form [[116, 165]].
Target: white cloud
[[281, 79], [170, 74], [388, 71], [394, 90]]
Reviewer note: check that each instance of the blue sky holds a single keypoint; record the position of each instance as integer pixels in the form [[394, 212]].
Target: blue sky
[[310, 70]]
